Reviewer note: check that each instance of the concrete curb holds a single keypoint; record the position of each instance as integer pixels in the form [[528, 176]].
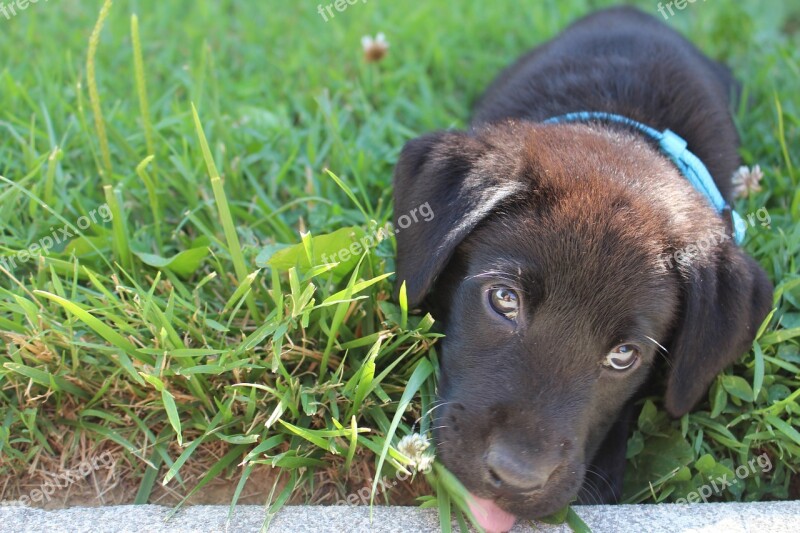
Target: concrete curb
[[728, 517]]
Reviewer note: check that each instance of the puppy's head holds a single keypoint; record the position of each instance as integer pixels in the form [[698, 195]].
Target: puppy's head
[[548, 264]]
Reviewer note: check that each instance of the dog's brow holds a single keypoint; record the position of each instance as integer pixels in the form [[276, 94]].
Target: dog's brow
[[502, 274]]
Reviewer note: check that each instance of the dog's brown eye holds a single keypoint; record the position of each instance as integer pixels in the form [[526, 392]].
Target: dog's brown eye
[[504, 301], [622, 357]]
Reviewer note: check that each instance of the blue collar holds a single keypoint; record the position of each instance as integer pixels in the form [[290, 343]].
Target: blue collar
[[674, 147]]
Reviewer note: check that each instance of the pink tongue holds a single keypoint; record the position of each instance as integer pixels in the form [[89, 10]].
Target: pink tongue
[[491, 517]]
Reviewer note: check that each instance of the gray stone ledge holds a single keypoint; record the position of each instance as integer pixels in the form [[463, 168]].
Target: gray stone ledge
[[727, 517]]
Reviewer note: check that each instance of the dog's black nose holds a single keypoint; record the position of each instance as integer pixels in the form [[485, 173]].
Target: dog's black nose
[[519, 470]]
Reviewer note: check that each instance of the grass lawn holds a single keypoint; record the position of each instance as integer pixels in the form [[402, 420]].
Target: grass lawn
[[163, 298]]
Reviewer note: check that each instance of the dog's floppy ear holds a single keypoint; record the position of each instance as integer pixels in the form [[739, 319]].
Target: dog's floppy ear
[[448, 173], [724, 303]]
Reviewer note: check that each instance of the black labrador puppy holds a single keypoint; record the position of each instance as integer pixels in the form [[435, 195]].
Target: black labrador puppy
[[569, 258]]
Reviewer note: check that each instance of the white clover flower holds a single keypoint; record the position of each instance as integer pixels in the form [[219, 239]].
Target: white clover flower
[[746, 180], [374, 49], [414, 446]]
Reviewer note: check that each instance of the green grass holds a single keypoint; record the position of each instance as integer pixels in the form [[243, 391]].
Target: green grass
[[183, 323]]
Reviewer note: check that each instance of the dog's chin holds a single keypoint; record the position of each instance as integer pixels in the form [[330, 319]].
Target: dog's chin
[[533, 509]]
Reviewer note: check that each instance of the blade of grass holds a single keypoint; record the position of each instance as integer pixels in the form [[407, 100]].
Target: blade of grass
[[119, 227], [148, 479], [94, 95], [232, 238], [152, 196], [141, 86], [418, 377], [127, 349]]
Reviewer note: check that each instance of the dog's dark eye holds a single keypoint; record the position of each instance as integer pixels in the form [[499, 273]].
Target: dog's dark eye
[[622, 357], [504, 301]]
